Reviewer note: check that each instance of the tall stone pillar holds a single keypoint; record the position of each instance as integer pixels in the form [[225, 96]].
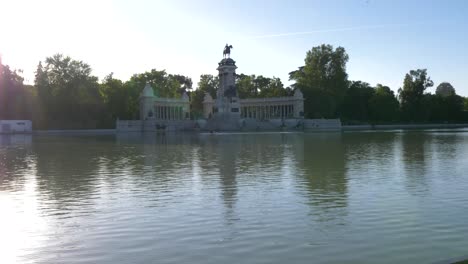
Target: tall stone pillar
[[227, 104], [186, 105], [207, 106], [298, 104], [146, 103]]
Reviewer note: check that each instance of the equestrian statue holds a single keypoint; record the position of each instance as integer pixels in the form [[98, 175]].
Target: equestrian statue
[[227, 51]]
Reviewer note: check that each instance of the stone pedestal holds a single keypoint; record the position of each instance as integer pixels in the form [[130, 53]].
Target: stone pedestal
[[227, 104]]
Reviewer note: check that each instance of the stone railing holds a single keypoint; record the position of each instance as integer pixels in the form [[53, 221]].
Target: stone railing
[[272, 100]]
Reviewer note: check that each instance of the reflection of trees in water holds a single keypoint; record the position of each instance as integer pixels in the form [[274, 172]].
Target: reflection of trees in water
[[67, 170], [371, 157], [324, 171], [416, 150], [16, 161], [376, 148], [448, 147], [430, 154], [156, 163], [72, 170]]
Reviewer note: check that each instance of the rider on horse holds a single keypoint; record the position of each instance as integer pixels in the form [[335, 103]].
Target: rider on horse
[[227, 51]]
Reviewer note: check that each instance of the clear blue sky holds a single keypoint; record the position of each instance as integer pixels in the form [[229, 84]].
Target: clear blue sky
[[384, 39]]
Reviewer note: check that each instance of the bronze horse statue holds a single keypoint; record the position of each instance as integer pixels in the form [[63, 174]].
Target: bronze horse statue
[[227, 51]]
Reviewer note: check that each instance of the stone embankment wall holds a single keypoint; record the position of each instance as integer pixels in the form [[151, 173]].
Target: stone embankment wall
[[247, 124], [155, 125], [322, 125], [402, 126]]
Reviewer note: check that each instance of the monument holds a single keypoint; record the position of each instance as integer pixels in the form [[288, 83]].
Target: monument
[[229, 112], [226, 112], [227, 100]]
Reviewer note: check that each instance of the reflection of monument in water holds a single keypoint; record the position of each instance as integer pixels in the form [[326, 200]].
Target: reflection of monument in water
[[226, 112]]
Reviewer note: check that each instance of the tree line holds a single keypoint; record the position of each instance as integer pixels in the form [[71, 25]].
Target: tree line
[[66, 95]]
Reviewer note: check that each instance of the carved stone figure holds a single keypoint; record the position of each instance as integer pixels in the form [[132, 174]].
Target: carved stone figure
[[227, 51]]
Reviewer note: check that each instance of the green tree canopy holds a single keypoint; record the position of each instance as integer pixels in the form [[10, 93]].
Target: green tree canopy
[[117, 98], [164, 84], [355, 105], [411, 95], [69, 92], [323, 80], [11, 94], [383, 105], [252, 86], [207, 84]]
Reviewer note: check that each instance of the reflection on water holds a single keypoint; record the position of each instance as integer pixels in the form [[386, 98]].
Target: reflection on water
[[391, 197]]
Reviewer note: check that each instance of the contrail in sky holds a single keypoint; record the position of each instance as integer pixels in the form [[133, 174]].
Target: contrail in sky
[[329, 30]]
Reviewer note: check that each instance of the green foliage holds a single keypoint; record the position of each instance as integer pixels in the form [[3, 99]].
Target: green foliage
[[164, 84], [324, 75], [445, 108], [69, 93], [12, 93], [355, 105], [117, 98], [66, 95], [411, 96], [207, 84], [383, 105], [252, 86]]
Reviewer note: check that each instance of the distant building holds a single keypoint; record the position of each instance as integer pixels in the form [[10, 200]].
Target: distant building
[[15, 126]]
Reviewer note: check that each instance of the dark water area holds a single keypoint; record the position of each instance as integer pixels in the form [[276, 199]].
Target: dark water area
[[361, 197]]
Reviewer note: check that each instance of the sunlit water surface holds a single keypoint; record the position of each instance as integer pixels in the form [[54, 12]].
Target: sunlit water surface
[[387, 197]]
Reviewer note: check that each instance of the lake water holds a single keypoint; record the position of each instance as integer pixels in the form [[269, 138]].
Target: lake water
[[377, 197]]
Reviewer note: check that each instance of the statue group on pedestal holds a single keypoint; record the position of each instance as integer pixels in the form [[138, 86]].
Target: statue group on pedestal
[[227, 51]]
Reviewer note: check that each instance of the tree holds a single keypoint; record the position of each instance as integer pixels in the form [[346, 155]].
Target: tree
[[164, 84], [445, 89], [445, 108], [355, 105], [246, 87], [207, 84], [383, 105], [69, 93], [273, 87], [252, 86], [411, 95], [12, 92], [115, 95], [323, 80]]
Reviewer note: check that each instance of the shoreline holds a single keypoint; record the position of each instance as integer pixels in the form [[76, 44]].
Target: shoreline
[[344, 128], [401, 127]]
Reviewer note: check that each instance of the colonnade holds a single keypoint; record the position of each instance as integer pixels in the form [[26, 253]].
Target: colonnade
[[262, 112], [169, 112]]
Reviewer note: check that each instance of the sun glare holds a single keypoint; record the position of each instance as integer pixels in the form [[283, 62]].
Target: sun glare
[[21, 225]]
